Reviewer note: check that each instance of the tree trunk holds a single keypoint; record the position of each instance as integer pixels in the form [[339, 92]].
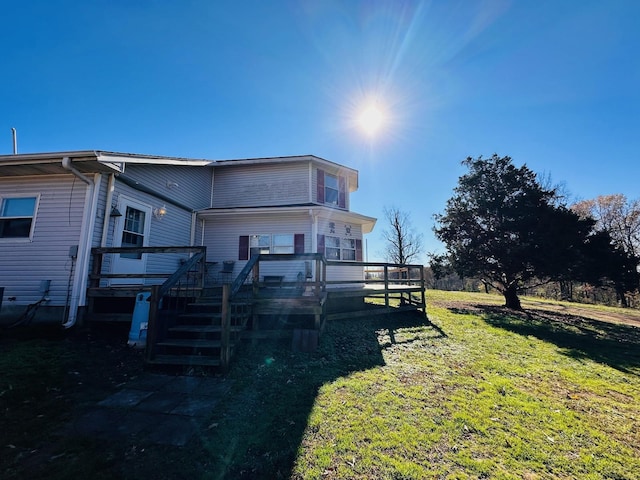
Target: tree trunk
[[511, 298], [620, 292]]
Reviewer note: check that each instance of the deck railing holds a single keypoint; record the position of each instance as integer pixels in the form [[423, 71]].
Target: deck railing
[[98, 278]]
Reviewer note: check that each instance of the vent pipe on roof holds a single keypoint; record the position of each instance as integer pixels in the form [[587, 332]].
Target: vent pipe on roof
[[15, 141]]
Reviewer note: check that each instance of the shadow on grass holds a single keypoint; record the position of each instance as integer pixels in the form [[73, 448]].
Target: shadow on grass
[[613, 344], [260, 428]]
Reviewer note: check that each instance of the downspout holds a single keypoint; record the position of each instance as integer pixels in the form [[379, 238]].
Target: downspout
[[192, 234], [107, 210], [90, 206], [314, 230], [314, 236]]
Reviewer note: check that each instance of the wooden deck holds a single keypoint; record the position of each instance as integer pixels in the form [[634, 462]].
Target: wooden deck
[[202, 323]]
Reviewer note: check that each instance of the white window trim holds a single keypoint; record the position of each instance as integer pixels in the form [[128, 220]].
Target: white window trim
[[33, 218]]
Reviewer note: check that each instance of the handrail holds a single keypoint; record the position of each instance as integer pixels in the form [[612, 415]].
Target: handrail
[[242, 276], [175, 277]]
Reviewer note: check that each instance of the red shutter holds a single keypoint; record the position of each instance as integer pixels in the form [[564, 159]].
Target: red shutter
[[358, 250], [342, 192], [243, 248], [320, 183], [298, 243], [321, 244]]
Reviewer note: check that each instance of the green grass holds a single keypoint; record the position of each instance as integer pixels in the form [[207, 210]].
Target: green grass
[[477, 392], [500, 396]]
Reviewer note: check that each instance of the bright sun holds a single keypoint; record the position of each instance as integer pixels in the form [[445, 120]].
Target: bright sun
[[371, 119]]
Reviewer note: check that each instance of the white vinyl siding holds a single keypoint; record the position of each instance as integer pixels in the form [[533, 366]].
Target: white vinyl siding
[[222, 236], [56, 229], [345, 233], [174, 229], [261, 185], [189, 186]]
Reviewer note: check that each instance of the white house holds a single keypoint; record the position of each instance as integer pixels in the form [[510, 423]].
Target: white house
[[56, 207]]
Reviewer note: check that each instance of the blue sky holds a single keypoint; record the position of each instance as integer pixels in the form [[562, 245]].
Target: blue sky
[[553, 84]]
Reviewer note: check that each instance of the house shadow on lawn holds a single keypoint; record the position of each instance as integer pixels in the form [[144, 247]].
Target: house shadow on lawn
[[257, 433], [613, 344]]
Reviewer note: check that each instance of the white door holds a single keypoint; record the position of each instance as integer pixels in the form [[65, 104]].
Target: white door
[[132, 230]]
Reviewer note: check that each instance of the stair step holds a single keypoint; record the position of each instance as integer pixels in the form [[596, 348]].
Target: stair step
[[200, 316], [187, 342], [203, 328], [186, 360]]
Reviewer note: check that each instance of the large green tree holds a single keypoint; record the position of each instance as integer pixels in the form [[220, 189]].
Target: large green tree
[[618, 219], [503, 226]]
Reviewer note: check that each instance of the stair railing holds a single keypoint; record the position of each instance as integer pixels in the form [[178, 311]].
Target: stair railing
[[188, 286]]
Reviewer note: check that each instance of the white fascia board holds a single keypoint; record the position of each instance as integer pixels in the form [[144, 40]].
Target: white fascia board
[[39, 158], [124, 158]]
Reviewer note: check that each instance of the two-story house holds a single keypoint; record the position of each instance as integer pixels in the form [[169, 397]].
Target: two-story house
[[56, 207]]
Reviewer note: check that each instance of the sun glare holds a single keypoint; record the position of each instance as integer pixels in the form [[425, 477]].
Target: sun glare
[[371, 119]]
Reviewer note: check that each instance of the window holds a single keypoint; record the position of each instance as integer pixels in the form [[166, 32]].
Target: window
[[330, 189], [336, 248], [281, 243], [332, 248], [259, 244], [16, 217], [348, 249], [133, 232]]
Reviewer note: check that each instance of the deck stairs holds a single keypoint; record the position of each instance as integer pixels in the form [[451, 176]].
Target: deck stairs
[[194, 337]]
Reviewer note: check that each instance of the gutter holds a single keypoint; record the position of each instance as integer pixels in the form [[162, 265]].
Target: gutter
[[79, 288]]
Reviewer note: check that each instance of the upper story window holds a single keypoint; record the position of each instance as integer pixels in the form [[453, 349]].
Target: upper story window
[[16, 216], [332, 189]]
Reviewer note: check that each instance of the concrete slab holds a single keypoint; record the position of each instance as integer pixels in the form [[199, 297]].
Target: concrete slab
[[183, 384], [150, 381], [196, 406], [160, 402], [97, 422], [134, 423], [125, 398], [174, 430], [213, 387]]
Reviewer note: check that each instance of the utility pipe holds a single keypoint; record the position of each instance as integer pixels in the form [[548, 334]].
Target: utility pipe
[[84, 247]]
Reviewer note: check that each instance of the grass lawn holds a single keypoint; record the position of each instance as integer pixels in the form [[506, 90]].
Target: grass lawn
[[484, 393], [479, 392]]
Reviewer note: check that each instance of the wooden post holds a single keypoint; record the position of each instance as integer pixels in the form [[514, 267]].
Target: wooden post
[[386, 286], [256, 278], [422, 292], [316, 282], [225, 334], [152, 326]]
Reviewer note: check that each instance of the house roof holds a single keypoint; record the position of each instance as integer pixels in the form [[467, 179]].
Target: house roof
[[92, 161]]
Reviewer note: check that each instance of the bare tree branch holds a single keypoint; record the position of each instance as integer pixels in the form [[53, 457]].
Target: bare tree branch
[[403, 243]]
